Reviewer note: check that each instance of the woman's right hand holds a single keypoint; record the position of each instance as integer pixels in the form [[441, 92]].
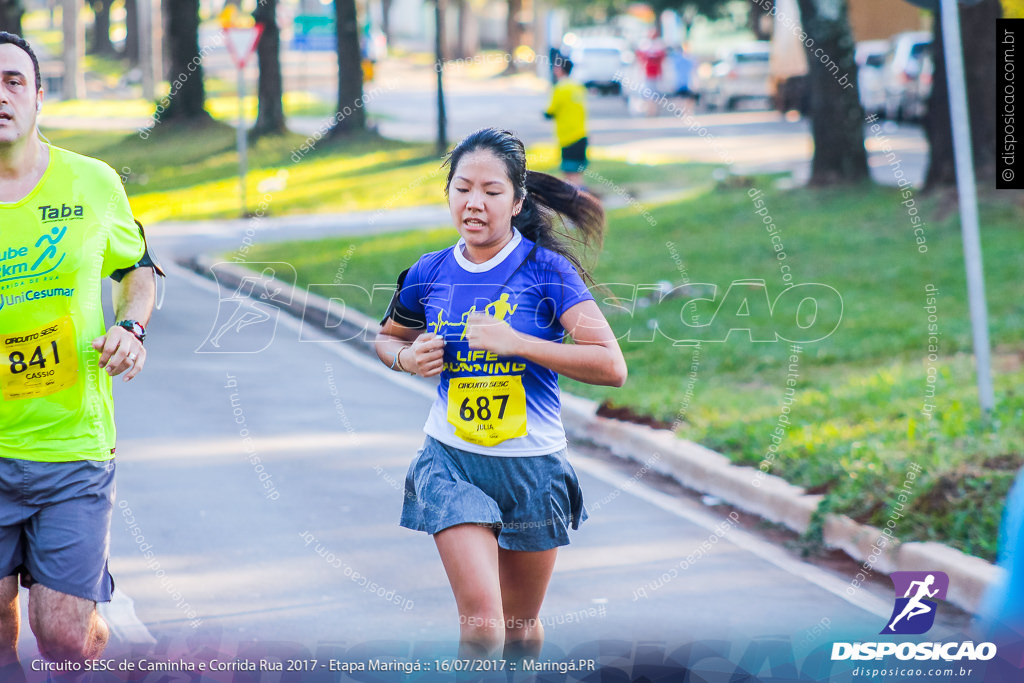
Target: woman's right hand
[[426, 355]]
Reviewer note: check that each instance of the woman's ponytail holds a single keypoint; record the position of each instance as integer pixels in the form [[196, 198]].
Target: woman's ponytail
[[559, 216]]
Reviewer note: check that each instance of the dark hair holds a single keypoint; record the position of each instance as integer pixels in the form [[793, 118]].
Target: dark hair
[[564, 63], [10, 38], [548, 203]]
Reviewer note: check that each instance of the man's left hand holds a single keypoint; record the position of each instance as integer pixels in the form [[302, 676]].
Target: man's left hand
[[120, 351]]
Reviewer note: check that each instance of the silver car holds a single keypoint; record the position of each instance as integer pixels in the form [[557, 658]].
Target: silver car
[[742, 72], [599, 61]]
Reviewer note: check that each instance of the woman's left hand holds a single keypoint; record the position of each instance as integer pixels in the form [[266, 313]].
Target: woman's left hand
[[491, 334]]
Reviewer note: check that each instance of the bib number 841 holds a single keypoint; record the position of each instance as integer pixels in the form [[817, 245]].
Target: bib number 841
[[18, 364], [40, 362]]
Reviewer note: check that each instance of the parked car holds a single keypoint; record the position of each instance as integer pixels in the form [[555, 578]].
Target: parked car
[[907, 78], [916, 102], [870, 58], [599, 61], [741, 72]]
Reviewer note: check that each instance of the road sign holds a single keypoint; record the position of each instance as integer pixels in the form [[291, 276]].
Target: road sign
[[242, 42]]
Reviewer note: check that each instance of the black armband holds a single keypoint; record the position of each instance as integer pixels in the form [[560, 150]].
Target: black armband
[[399, 313], [147, 260]]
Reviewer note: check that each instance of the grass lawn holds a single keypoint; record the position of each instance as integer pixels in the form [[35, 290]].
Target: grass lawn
[[222, 106], [181, 173], [857, 419]]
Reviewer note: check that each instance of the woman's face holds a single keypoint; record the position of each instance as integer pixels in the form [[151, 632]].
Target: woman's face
[[482, 201]]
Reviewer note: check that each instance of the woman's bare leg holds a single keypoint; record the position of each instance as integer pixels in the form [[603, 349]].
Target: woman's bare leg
[[524, 578], [469, 553]]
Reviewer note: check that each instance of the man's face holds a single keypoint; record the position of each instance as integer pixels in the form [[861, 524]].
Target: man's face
[[18, 97]]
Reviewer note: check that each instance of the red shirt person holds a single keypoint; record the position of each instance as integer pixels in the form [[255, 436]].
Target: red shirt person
[[651, 54]]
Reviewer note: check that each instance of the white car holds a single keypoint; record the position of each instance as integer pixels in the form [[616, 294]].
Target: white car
[[906, 92], [870, 58], [599, 62], [741, 72]]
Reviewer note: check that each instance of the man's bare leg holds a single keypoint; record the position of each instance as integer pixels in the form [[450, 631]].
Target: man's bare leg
[[10, 620], [67, 628], [10, 628]]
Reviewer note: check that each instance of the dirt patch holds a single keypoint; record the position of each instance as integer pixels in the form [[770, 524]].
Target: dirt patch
[[626, 414], [1010, 462]]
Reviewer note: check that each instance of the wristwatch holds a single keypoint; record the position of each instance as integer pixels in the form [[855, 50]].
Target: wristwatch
[[135, 327]]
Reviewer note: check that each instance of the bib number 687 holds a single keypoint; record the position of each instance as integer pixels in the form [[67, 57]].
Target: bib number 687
[[483, 408]]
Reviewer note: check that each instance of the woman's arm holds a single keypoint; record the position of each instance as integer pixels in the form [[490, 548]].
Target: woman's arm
[[408, 350], [595, 358]]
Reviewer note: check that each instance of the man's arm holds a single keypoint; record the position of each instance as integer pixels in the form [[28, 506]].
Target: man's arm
[[133, 299], [552, 109]]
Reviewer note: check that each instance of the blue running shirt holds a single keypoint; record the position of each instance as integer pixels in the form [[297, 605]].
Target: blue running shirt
[[489, 404]]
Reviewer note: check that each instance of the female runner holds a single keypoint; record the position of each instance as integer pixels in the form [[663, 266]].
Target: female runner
[[492, 483]]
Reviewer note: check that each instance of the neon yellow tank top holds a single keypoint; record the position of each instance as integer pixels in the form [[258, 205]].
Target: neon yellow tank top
[[56, 246]]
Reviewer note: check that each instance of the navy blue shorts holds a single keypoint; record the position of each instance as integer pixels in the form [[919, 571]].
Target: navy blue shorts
[[55, 524], [529, 501], [574, 157]]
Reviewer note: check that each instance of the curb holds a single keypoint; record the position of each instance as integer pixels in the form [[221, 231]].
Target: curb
[[688, 463]]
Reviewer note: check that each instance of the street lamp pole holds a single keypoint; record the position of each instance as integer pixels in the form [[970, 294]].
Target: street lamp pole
[[967, 190], [442, 119]]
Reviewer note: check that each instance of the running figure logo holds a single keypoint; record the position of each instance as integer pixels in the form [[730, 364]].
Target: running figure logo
[[247, 317], [914, 612], [498, 309]]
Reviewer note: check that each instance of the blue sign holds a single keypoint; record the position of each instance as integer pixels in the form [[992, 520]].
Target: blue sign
[[314, 33]]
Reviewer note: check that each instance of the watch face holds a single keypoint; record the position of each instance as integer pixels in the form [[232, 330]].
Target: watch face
[[135, 328]]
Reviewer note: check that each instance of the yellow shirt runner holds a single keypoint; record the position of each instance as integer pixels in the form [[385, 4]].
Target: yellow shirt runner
[[59, 242], [568, 108]]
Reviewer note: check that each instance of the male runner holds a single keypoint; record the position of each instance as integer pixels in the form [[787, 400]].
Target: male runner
[[65, 225], [568, 108]]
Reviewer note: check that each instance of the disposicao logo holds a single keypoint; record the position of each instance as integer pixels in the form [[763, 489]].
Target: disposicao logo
[[914, 612]]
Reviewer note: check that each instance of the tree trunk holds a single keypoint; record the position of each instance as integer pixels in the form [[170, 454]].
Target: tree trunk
[[837, 119], [10, 16], [187, 95], [756, 21], [977, 29], [131, 36], [513, 33], [270, 116], [350, 116], [100, 44], [73, 54], [460, 39]]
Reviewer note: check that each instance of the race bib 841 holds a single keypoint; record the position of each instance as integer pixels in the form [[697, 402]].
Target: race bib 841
[[39, 362]]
